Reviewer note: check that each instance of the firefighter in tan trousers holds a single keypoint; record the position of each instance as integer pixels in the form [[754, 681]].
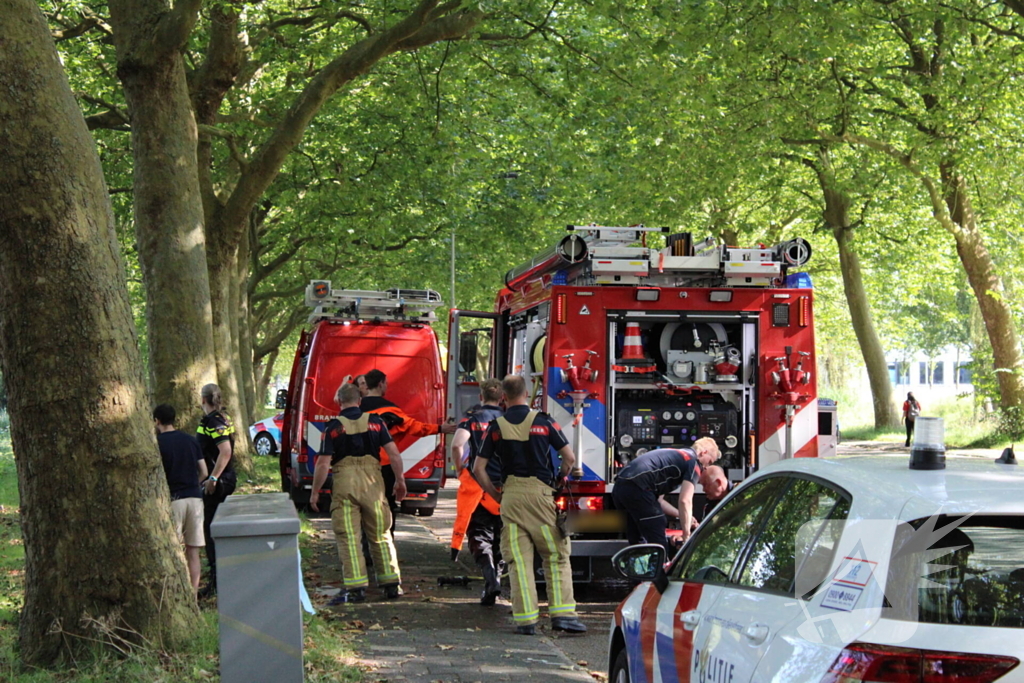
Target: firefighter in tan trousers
[[351, 446], [522, 440]]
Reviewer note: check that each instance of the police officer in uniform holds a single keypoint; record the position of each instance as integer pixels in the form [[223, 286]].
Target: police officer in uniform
[[641, 485], [477, 513], [522, 440], [352, 445], [216, 436]]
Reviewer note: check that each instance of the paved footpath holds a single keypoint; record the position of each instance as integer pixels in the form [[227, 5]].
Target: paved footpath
[[441, 633]]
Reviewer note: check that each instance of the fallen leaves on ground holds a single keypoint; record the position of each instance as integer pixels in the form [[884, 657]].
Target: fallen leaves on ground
[[445, 647]]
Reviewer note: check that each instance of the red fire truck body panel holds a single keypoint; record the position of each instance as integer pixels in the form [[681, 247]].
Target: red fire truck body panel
[[657, 350]]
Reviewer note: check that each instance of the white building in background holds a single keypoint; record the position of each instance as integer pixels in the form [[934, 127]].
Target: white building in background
[[944, 376]]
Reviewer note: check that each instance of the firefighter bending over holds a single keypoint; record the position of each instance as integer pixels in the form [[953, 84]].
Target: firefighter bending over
[[477, 513], [352, 446], [641, 486], [521, 440]]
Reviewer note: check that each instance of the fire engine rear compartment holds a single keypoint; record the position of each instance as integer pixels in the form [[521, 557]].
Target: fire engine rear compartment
[[631, 348]]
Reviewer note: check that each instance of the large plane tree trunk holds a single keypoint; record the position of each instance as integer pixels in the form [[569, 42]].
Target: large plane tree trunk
[[102, 562], [987, 285], [168, 209], [837, 217]]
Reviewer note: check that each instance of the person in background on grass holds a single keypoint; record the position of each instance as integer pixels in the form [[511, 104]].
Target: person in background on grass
[[185, 468], [351, 448], [911, 409], [216, 436]]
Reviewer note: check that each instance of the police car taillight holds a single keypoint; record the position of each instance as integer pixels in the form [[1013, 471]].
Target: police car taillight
[[887, 664]]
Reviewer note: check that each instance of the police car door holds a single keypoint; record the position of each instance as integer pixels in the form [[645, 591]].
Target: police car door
[[697, 580], [790, 550]]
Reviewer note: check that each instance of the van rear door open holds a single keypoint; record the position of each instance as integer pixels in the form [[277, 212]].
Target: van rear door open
[[344, 344]]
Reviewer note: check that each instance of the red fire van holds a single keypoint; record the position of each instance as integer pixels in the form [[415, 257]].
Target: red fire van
[[351, 333]]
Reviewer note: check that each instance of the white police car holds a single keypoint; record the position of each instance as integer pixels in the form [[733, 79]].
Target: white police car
[[835, 571], [266, 434]]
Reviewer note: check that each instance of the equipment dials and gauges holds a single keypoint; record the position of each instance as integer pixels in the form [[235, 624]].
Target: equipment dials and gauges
[[640, 451], [626, 440], [731, 441], [678, 415], [691, 416], [667, 415]]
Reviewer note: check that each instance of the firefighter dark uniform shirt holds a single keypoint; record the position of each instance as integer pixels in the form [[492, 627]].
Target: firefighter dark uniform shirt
[[662, 471], [339, 444], [531, 458], [358, 506], [639, 485], [476, 424], [522, 441]]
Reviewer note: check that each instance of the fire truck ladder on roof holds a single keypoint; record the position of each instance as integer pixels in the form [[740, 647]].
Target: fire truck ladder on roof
[[361, 304]]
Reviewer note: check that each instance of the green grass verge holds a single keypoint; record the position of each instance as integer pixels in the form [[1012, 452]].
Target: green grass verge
[[328, 651], [965, 425]]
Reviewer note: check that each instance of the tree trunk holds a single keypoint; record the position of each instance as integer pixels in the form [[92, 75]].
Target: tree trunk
[[222, 265], [987, 286], [245, 343], [101, 558], [837, 217], [167, 205], [266, 374]]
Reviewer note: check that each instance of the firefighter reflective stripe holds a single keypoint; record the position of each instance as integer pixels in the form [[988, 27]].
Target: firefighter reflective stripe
[[529, 514], [387, 549], [519, 432], [556, 585], [470, 495], [358, 507], [353, 427], [524, 589], [353, 571]]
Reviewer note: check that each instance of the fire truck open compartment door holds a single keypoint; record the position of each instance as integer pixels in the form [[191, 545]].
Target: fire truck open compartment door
[[471, 336], [680, 400]]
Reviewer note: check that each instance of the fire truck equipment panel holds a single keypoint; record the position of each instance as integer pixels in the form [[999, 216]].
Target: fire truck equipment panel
[[646, 420]]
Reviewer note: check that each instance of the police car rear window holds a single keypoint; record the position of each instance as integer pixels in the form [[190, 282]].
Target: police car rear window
[[972, 574]]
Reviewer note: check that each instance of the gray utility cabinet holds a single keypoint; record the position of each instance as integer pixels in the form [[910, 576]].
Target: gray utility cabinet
[[258, 578]]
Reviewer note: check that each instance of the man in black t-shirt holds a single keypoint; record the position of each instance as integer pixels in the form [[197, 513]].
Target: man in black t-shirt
[[522, 441], [641, 485], [216, 436], [185, 468]]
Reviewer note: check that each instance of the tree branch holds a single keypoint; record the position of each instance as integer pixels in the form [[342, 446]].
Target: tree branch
[[175, 26], [352, 63]]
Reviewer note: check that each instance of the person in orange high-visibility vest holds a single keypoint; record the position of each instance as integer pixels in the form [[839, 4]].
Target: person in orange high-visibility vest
[[477, 513], [400, 425]]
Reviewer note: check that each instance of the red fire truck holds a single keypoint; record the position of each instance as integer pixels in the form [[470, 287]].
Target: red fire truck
[[352, 332], [632, 348]]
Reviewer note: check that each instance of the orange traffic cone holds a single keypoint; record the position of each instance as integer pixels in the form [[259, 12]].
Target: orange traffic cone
[[632, 347]]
